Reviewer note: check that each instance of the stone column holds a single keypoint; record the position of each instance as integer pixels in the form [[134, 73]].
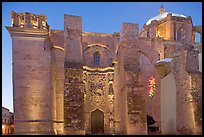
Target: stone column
[[117, 100]]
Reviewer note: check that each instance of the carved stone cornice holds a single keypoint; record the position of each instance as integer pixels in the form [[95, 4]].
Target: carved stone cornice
[[98, 69], [27, 32]]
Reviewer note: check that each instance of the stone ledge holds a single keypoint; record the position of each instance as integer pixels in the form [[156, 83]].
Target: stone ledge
[[27, 32]]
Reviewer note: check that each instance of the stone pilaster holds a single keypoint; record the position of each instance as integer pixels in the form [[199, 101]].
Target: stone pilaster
[[58, 95]]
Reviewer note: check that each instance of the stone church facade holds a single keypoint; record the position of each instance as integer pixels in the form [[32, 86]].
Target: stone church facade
[[74, 82]]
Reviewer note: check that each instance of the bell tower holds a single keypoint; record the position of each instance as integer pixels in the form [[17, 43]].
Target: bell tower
[[161, 10]]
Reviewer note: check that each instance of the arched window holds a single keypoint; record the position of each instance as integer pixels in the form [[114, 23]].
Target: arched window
[[159, 56], [197, 37], [96, 58], [180, 34]]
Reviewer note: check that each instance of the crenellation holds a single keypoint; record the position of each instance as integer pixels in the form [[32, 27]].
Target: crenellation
[[28, 20]]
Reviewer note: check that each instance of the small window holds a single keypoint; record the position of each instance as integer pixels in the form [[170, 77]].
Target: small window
[[179, 35], [158, 56], [96, 58]]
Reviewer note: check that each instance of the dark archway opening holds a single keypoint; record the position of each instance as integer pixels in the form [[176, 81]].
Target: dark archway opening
[[151, 125], [97, 122], [96, 59]]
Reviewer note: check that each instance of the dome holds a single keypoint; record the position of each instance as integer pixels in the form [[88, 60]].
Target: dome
[[163, 15]]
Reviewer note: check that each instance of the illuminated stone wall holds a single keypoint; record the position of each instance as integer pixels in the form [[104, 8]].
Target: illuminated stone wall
[[73, 40], [183, 70], [161, 30], [129, 31], [152, 103], [73, 84], [133, 112], [57, 38], [73, 102], [136, 105], [140, 55], [105, 44], [196, 93], [98, 38], [99, 95], [119, 94], [58, 80], [31, 81], [57, 75], [192, 61]]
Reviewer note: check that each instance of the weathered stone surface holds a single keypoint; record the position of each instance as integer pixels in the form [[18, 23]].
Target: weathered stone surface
[[32, 90], [73, 100], [73, 38], [58, 88]]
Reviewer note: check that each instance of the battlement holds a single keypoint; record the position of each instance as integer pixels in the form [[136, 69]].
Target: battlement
[[28, 20]]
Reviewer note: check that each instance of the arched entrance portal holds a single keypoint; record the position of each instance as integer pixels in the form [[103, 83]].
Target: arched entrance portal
[[97, 122]]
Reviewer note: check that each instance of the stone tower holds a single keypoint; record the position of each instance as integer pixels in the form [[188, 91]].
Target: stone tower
[[31, 74], [37, 76]]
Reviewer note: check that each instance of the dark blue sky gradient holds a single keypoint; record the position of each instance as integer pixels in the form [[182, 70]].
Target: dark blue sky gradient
[[105, 17]]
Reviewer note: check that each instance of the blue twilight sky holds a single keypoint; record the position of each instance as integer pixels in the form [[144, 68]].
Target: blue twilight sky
[[106, 17]]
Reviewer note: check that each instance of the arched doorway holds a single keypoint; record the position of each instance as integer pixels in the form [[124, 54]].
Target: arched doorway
[[97, 122]]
